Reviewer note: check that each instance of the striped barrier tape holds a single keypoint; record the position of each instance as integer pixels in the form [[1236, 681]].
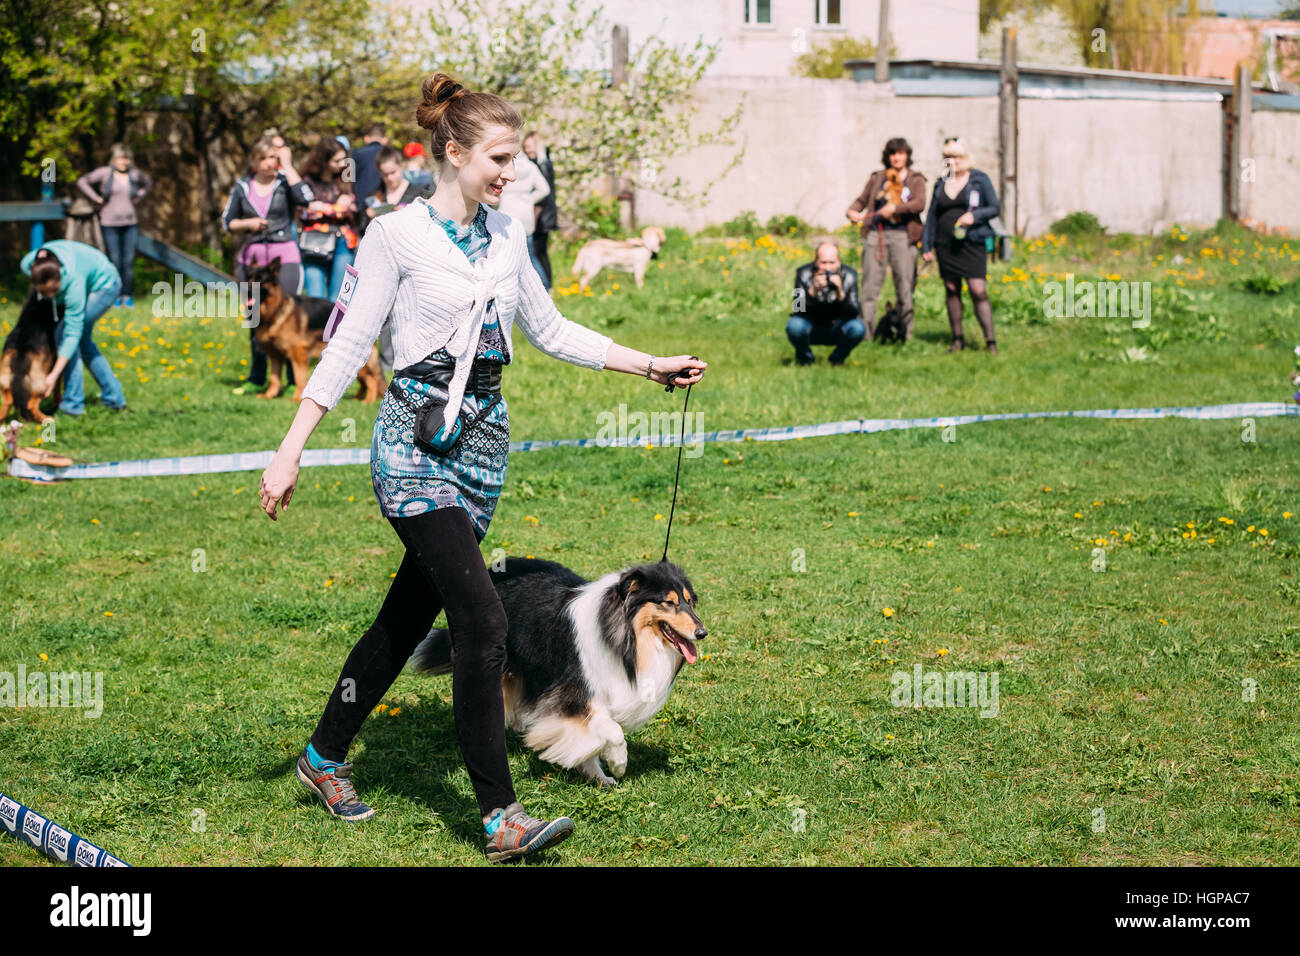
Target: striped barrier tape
[[51, 839], [254, 460]]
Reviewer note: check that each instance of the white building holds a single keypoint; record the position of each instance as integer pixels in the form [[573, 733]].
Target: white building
[[765, 37]]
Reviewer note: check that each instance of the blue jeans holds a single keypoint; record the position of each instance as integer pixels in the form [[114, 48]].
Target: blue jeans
[[324, 282], [844, 334], [537, 263], [120, 242], [110, 390]]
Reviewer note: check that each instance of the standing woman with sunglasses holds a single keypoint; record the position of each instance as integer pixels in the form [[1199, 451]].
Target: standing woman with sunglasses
[[955, 230], [455, 275]]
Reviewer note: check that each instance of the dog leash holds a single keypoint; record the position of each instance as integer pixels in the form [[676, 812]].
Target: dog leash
[[680, 446]]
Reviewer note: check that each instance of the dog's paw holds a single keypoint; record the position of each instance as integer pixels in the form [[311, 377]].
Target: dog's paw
[[596, 773], [616, 756]]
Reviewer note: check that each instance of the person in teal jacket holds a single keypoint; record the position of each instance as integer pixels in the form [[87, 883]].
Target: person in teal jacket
[[83, 282]]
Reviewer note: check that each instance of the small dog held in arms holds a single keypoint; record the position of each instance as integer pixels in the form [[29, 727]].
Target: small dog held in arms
[[629, 255], [587, 662], [28, 357], [291, 329]]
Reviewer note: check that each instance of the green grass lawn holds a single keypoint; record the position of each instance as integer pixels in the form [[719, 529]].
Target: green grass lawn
[[823, 567]]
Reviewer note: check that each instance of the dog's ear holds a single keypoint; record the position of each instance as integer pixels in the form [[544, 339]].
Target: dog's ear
[[629, 582], [274, 266]]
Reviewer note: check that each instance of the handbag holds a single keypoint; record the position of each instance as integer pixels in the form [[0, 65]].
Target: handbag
[[316, 245], [430, 434]]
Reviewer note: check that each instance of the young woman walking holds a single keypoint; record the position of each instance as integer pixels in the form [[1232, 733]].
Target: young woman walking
[[454, 274]]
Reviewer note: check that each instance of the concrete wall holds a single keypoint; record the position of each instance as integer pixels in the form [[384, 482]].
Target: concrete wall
[[1138, 165], [1274, 199], [811, 144]]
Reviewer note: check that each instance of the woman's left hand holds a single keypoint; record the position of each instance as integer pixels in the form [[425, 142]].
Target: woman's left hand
[[967, 218], [665, 366]]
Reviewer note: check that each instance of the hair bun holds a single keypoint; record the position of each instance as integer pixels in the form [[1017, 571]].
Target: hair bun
[[438, 90]]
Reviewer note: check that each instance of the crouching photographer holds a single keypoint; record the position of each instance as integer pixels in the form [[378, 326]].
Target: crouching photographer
[[825, 307]]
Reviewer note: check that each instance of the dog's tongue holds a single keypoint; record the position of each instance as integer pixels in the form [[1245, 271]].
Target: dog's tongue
[[688, 650]]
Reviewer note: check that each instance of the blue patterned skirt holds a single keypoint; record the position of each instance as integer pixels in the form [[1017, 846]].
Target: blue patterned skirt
[[408, 482]]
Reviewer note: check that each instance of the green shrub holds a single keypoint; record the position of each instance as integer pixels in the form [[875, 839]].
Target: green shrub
[[746, 224], [1263, 283], [1078, 224], [600, 217], [788, 225]]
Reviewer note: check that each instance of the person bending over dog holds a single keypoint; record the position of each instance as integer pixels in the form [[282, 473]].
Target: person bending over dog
[[85, 283], [825, 308], [455, 275]]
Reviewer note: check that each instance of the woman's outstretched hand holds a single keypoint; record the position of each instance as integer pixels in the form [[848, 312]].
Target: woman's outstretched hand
[[278, 482], [664, 366]]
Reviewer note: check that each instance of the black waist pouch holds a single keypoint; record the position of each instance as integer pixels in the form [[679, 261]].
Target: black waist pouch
[[430, 432]]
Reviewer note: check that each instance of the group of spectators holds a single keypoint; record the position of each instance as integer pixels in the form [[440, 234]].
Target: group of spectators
[[829, 305], [311, 219]]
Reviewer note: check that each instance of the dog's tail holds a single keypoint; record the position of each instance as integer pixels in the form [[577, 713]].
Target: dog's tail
[[433, 654]]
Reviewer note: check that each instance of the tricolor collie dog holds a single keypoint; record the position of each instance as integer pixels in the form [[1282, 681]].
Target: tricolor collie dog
[[586, 661]]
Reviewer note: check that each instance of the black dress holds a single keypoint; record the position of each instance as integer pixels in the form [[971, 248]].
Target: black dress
[[958, 258]]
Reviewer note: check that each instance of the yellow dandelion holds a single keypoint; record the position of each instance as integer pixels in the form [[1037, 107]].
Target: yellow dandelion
[[943, 652], [889, 736], [394, 712], [887, 611], [329, 582], [45, 657], [94, 521]]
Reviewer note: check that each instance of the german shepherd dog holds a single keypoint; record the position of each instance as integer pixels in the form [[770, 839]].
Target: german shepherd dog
[[290, 329], [586, 661], [30, 352]]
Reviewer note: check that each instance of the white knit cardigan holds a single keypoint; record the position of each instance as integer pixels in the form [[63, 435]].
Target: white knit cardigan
[[407, 265]]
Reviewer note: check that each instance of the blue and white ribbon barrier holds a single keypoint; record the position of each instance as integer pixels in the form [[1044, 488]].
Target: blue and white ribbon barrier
[[51, 839], [254, 460]]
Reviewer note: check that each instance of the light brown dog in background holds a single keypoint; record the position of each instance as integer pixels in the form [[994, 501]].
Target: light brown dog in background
[[629, 255]]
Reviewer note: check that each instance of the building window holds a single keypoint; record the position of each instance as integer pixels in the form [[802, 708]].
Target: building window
[[760, 11], [827, 12]]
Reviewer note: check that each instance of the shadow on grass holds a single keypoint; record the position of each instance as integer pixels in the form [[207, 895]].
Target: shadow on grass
[[418, 754]]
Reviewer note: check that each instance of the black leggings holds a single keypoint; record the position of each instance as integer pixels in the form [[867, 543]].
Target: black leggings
[[442, 568]]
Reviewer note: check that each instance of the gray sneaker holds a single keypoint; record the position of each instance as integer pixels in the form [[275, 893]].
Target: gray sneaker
[[512, 833], [333, 784]]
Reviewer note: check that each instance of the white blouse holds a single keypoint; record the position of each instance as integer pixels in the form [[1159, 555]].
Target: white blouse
[[407, 265]]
